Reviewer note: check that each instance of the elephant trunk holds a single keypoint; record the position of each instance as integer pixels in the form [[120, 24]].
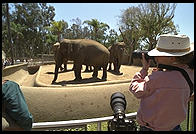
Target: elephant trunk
[[56, 74], [57, 66]]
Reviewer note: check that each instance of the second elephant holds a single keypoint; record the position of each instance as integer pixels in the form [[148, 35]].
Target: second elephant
[[116, 56], [83, 52]]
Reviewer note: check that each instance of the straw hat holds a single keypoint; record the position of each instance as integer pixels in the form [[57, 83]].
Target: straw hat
[[172, 45]]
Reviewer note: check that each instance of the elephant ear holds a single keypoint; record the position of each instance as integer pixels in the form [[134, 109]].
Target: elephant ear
[[75, 47]]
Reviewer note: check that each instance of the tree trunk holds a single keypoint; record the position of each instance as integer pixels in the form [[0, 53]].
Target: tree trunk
[[130, 53], [9, 36], [130, 43]]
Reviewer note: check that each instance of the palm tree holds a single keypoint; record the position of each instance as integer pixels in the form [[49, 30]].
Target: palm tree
[[96, 26], [58, 27]]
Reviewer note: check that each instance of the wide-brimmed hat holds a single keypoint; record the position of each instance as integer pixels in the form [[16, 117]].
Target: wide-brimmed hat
[[172, 45]]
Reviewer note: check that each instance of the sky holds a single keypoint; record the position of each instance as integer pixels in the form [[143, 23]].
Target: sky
[[109, 13]]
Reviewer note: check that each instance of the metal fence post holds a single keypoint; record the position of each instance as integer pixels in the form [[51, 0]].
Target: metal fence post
[[98, 126], [192, 117]]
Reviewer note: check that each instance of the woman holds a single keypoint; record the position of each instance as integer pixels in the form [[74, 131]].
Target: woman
[[164, 93]]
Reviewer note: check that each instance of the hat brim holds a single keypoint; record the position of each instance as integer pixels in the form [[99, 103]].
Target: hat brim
[[156, 52]]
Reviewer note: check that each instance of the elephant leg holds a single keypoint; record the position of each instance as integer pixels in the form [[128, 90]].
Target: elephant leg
[[95, 72], [91, 68], [73, 67], [104, 77], [120, 63], [118, 67], [115, 65], [87, 70], [61, 68], [65, 66], [57, 66], [99, 68], [77, 71], [110, 66]]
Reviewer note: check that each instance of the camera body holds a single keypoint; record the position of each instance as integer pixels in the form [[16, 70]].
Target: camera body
[[138, 54], [120, 122]]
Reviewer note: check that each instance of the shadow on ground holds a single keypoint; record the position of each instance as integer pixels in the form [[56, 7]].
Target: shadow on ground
[[83, 81], [115, 73], [60, 71]]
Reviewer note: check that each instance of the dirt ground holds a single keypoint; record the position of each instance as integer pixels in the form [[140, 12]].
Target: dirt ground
[[47, 75]]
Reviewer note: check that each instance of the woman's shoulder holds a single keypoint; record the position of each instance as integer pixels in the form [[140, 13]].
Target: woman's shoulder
[[163, 75], [9, 87]]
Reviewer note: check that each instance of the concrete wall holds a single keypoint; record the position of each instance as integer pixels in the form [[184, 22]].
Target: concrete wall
[[9, 70], [15, 73], [58, 104], [68, 103]]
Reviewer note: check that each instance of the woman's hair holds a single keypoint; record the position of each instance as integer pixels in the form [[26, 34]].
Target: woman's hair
[[187, 59]]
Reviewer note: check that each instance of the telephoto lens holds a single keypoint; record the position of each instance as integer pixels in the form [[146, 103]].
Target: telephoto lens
[[118, 103], [120, 122]]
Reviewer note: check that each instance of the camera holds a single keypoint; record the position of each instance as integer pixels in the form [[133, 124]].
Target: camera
[[120, 122], [138, 54]]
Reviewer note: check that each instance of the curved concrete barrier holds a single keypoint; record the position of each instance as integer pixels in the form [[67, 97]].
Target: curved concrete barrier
[[9, 70], [58, 104], [71, 102], [15, 73]]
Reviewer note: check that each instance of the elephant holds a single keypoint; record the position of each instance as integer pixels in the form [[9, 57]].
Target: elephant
[[116, 56], [55, 50], [83, 52]]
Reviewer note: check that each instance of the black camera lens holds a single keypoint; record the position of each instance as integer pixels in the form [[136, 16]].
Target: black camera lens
[[147, 57], [120, 122], [118, 103]]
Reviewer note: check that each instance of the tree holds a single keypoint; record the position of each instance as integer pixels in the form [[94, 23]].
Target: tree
[[111, 38], [156, 19], [143, 24], [9, 36], [58, 28], [17, 36], [130, 29], [97, 29]]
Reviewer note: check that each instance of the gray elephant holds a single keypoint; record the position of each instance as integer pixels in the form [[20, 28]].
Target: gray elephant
[[56, 50], [83, 52], [116, 56]]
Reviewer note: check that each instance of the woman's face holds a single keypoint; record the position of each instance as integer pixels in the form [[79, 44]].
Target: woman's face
[[165, 60]]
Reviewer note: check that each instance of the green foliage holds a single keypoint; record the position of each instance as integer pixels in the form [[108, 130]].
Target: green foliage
[[98, 30], [156, 19], [140, 26], [58, 28], [33, 29], [27, 28]]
